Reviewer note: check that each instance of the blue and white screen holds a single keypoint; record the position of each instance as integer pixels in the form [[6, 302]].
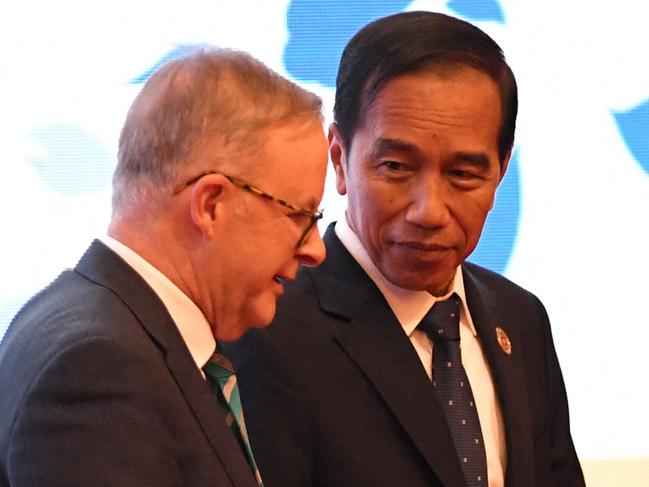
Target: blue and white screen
[[571, 221]]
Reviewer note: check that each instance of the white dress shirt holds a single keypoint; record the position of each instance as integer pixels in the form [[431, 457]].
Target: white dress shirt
[[190, 320], [410, 307]]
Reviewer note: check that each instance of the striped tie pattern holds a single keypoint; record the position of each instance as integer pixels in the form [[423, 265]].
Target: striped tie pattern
[[453, 390], [223, 382]]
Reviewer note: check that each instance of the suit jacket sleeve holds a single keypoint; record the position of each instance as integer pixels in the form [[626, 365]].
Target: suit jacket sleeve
[[82, 424]]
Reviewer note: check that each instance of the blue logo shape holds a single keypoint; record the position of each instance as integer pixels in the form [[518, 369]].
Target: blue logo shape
[[634, 126], [501, 228], [318, 32], [74, 162], [180, 51], [478, 9]]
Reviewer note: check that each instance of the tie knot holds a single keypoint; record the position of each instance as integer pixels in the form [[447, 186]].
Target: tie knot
[[218, 367], [442, 322]]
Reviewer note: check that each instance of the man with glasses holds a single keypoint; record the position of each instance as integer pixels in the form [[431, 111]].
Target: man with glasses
[[114, 374], [396, 363]]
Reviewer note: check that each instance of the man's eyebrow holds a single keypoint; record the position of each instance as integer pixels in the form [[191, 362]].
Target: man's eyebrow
[[476, 158], [383, 145], [312, 206]]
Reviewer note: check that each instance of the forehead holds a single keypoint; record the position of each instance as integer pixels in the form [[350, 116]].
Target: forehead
[[293, 162], [462, 104]]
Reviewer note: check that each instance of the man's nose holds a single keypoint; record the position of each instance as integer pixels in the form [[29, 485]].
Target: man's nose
[[428, 207], [312, 251]]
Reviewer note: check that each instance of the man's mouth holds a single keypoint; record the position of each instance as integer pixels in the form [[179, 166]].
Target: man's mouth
[[280, 278], [423, 246]]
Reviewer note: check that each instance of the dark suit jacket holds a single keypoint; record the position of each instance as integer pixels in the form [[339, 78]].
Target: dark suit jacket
[[335, 394], [98, 388]]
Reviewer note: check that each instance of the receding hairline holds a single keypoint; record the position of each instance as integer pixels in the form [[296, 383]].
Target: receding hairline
[[194, 100], [242, 162]]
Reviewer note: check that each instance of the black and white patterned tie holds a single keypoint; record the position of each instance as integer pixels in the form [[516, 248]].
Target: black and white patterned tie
[[453, 390]]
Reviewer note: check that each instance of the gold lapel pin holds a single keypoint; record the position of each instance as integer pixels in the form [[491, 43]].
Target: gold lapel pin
[[503, 340]]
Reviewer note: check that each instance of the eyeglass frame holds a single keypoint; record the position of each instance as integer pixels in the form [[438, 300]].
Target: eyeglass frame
[[314, 216]]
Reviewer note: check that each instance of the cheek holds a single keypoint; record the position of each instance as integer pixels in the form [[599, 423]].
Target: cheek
[[471, 219], [371, 212]]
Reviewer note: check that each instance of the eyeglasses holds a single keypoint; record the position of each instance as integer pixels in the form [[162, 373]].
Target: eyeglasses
[[313, 216]]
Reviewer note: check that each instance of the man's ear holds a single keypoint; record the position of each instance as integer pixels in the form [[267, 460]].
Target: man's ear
[[503, 170], [338, 154], [505, 163], [207, 202]]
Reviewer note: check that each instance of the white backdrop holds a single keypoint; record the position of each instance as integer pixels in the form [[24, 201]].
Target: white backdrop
[[571, 222]]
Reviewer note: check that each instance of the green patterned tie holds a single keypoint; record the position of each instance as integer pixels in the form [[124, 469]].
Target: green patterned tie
[[223, 382]]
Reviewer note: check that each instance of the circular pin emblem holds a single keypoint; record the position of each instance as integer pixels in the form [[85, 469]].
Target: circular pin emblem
[[503, 340]]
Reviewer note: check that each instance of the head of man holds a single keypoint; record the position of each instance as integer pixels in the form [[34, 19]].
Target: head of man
[[425, 114], [220, 172]]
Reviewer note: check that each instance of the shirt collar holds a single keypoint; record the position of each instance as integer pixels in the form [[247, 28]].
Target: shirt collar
[[408, 306], [189, 319]]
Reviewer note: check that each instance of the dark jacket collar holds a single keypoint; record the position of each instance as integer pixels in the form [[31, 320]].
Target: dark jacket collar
[[344, 289], [104, 267]]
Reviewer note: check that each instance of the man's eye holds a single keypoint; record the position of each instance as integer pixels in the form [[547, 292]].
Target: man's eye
[[297, 216], [394, 165], [464, 174], [466, 179], [461, 173]]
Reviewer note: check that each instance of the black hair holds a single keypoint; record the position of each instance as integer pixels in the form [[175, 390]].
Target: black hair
[[409, 42]]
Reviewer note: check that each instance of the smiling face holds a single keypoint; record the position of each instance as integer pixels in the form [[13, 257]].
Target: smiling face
[[421, 173]]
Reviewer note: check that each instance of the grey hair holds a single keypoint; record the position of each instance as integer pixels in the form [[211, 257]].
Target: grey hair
[[209, 94]]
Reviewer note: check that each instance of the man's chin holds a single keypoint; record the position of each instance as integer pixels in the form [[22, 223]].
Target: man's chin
[[258, 313], [263, 315], [434, 282], [232, 335]]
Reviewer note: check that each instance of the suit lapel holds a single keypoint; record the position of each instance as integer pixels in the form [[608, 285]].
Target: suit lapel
[[107, 269], [376, 343], [205, 409], [508, 374]]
